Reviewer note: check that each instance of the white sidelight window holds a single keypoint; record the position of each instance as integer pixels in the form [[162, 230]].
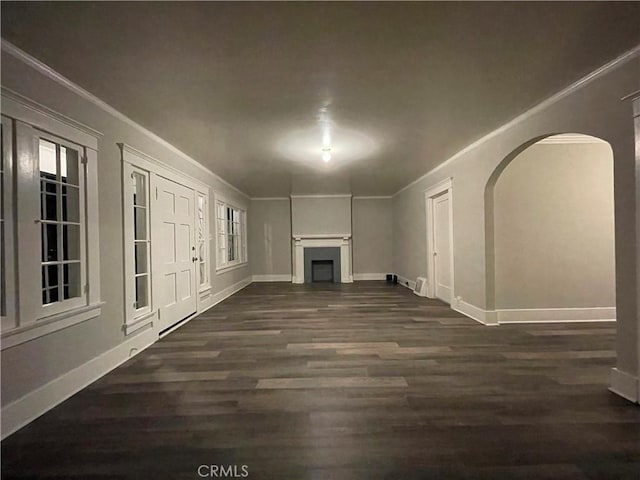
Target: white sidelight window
[[202, 239], [231, 238], [49, 226], [137, 238]]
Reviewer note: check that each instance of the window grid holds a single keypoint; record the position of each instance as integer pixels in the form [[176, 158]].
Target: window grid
[[141, 241], [231, 235], [202, 240], [60, 222]]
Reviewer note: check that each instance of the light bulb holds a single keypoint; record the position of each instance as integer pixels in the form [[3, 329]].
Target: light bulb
[[326, 154]]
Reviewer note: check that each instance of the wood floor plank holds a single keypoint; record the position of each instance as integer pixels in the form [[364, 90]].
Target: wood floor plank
[[331, 382]]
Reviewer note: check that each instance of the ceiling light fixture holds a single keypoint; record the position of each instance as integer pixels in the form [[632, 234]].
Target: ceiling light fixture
[[326, 154]]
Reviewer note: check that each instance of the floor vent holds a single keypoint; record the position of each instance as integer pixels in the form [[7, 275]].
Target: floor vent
[[421, 287]]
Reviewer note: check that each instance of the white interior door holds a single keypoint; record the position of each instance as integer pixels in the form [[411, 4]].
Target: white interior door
[[442, 247], [174, 250]]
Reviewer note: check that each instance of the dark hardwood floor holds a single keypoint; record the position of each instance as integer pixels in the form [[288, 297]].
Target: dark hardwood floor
[[363, 381]]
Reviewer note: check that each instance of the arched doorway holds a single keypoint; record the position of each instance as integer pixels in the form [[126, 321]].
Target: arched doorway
[[550, 232]]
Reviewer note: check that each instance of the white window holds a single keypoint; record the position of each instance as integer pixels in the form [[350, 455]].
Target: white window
[[137, 238], [202, 239], [62, 224], [231, 238], [49, 223]]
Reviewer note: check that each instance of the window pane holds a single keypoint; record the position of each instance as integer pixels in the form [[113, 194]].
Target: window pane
[[50, 295], [139, 189], [70, 204], [71, 280], [71, 242], [48, 162], [50, 276], [48, 200], [49, 242], [203, 273], [142, 292], [140, 252], [69, 171], [139, 223]]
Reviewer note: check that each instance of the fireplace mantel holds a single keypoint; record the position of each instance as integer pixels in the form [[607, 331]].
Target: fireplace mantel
[[343, 241]]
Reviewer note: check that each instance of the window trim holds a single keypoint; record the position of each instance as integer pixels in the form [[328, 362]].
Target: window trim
[[8, 321], [222, 267], [30, 321]]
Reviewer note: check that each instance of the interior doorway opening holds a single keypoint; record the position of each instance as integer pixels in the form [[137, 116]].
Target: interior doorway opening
[[551, 232]]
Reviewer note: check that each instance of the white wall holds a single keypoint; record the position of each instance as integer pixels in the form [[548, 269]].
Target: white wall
[[316, 215], [270, 237], [554, 228], [29, 366], [594, 108], [372, 236]]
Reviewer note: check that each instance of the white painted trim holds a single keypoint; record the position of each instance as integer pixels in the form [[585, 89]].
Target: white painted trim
[[615, 63], [22, 108], [443, 187], [569, 139], [485, 317], [439, 188], [374, 197], [81, 92], [311, 241], [369, 276], [268, 199], [141, 160], [345, 236], [140, 322], [48, 325], [342, 195], [554, 315], [235, 266], [405, 282], [26, 409], [284, 277], [625, 385]]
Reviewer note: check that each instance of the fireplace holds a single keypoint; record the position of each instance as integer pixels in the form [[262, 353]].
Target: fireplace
[[322, 248], [322, 264], [321, 271]]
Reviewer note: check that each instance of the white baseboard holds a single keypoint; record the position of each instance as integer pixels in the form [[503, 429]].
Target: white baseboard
[[369, 276], [625, 385], [272, 278], [405, 282], [485, 317], [26, 409], [34, 404], [552, 315]]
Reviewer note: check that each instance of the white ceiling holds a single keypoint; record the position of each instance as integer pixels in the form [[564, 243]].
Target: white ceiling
[[249, 89]]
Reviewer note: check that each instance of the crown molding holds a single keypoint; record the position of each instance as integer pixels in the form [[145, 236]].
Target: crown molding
[[569, 139], [374, 197], [348, 195], [268, 199], [615, 63], [50, 73]]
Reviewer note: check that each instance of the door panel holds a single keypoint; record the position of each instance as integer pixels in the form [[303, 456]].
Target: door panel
[[442, 260], [174, 227]]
